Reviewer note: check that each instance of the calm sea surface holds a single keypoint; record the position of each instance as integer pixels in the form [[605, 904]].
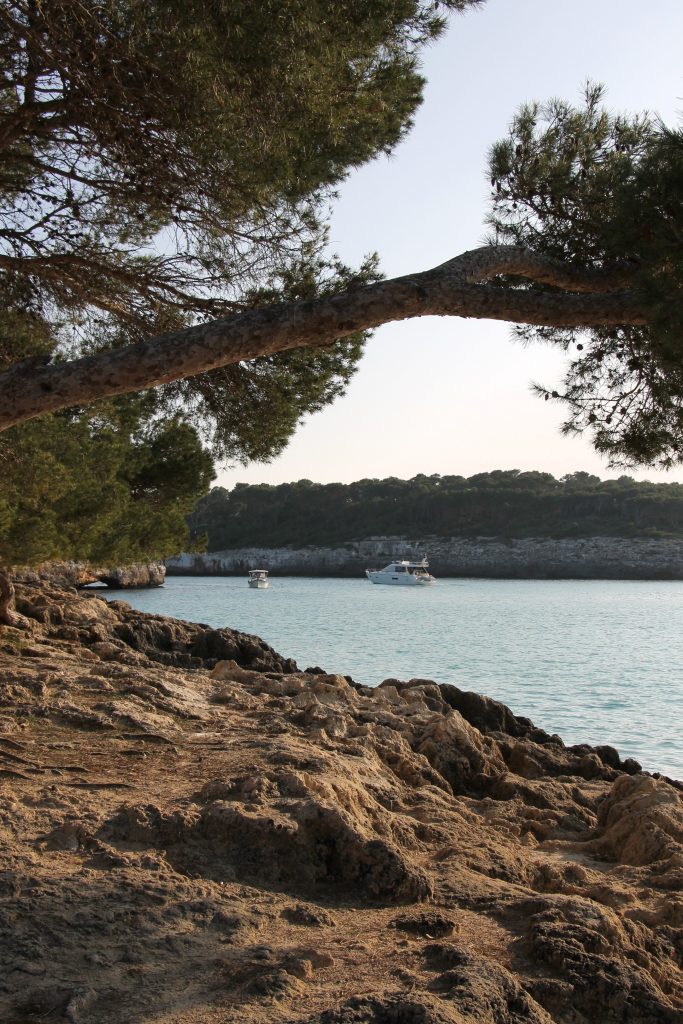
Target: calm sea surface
[[595, 661]]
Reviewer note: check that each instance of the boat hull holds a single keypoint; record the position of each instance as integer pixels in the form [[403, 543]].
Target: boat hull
[[399, 579], [259, 584]]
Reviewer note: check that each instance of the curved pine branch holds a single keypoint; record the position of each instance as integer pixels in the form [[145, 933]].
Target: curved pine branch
[[456, 288]]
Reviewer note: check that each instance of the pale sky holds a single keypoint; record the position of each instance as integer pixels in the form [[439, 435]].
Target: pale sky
[[451, 396]]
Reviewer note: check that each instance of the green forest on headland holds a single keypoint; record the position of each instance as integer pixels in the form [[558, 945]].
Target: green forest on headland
[[503, 503]]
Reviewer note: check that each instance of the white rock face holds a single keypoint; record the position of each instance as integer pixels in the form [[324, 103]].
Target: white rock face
[[528, 558], [139, 574]]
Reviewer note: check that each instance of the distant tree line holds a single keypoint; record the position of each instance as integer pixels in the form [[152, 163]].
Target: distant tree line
[[504, 504]]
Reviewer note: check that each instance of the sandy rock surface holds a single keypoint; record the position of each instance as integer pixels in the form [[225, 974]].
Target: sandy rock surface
[[193, 830]]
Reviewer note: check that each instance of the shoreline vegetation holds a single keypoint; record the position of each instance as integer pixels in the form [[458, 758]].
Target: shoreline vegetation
[[503, 504], [498, 525], [204, 830]]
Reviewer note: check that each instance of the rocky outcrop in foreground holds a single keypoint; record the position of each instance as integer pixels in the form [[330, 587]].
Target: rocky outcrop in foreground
[[630, 558], [82, 574], [193, 830]]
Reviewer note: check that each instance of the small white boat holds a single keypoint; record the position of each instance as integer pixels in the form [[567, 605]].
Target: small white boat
[[402, 574], [258, 579]]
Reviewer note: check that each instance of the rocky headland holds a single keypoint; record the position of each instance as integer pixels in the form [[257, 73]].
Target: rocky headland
[[195, 830], [633, 558], [83, 574]]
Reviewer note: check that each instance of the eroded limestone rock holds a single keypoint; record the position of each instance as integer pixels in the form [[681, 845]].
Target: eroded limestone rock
[[191, 828]]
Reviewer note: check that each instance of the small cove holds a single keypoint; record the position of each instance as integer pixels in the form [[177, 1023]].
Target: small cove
[[595, 661]]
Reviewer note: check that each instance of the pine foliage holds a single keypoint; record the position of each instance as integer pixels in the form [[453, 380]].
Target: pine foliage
[[164, 162], [605, 191], [503, 504]]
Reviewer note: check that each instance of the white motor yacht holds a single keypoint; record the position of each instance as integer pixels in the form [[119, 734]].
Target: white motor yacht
[[258, 579], [402, 574]]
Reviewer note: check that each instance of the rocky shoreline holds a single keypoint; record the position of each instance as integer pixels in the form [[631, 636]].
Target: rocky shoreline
[[487, 557], [195, 830], [82, 574]]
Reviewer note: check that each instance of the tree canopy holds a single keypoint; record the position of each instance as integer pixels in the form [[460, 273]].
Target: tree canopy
[[165, 162], [165, 173], [110, 485], [505, 504], [583, 185]]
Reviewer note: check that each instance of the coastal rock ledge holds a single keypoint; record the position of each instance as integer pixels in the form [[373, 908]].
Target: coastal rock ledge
[[632, 558], [194, 829], [82, 574]]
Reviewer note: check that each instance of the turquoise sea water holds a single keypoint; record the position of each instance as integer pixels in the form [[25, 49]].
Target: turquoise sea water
[[595, 661]]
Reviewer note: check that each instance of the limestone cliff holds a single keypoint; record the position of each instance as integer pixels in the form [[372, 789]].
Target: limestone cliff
[[194, 830], [528, 558]]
